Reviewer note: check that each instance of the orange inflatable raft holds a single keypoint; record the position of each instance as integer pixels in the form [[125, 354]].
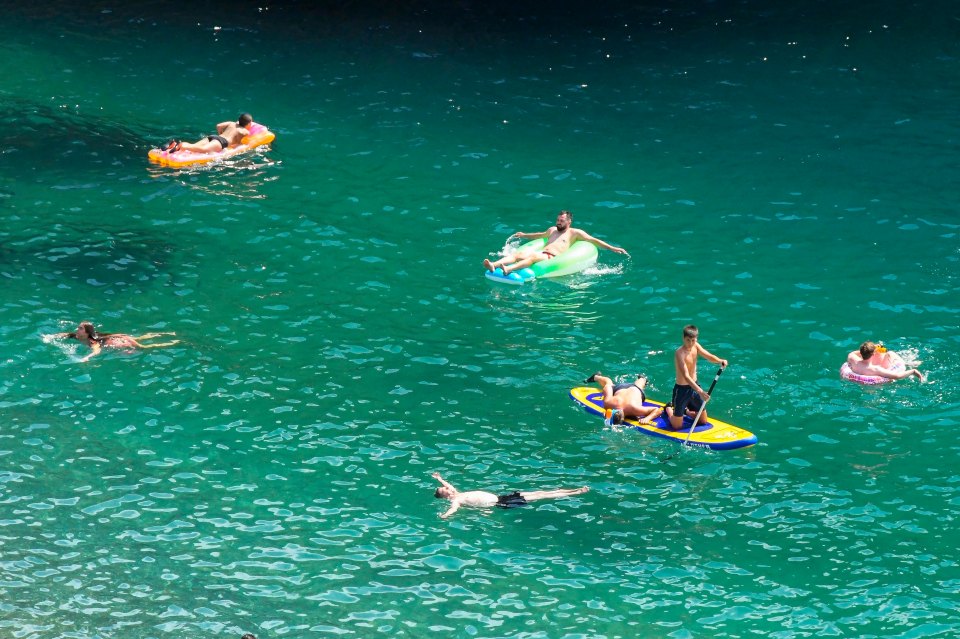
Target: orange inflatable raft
[[259, 135]]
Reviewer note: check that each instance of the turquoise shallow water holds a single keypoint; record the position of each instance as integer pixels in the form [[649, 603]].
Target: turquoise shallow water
[[782, 177]]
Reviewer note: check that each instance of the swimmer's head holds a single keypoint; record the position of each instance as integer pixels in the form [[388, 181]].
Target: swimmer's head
[[86, 330], [690, 331], [867, 349], [244, 119], [564, 220], [443, 493], [248, 636]]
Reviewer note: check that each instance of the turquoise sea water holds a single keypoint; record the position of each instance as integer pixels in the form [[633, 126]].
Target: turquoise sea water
[[783, 176]]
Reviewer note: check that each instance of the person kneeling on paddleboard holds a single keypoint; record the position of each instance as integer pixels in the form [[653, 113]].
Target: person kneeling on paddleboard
[[688, 395], [625, 400]]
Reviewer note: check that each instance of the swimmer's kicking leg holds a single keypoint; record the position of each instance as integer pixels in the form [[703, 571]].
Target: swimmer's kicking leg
[[176, 341], [151, 335], [553, 494]]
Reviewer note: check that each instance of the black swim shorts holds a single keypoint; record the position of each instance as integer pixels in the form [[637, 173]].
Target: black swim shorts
[[684, 399], [511, 500], [219, 138], [620, 387]]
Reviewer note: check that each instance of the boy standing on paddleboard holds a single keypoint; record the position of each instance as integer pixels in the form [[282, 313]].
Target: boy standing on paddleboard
[[688, 395]]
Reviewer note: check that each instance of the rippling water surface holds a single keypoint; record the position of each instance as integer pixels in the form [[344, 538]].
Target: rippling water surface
[[782, 177]]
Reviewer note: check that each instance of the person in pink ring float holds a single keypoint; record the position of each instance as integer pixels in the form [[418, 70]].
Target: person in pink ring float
[[875, 360]]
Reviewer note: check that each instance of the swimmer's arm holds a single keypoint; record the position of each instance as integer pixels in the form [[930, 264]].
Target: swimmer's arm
[[443, 482], [222, 127], [530, 236], [586, 237], [454, 506], [94, 351], [655, 411], [707, 355], [889, 374]]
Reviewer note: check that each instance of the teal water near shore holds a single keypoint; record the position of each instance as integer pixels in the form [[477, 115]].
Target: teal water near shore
[[784, 178]]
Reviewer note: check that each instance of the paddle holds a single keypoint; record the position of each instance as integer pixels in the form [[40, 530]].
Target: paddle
[[703, 407]]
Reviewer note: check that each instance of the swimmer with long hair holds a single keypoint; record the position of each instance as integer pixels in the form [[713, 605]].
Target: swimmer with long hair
[[86, 333]]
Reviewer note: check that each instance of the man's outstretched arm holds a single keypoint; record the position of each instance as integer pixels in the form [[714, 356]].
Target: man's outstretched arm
[[530, 236], [443, 482], [586, 237], [454, 505]]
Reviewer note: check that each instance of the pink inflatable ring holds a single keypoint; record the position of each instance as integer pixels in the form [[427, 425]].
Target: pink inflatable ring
[[847, 373]]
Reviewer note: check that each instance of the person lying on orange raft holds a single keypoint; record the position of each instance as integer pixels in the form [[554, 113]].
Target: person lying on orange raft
[[229, 134], [87, 334]]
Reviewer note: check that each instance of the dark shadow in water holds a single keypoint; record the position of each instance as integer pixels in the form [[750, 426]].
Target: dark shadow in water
[[78, 256], [439, 21], [46, 140], [40, 136]]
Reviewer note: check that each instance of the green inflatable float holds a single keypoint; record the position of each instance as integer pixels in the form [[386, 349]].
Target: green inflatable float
[[579, 256]]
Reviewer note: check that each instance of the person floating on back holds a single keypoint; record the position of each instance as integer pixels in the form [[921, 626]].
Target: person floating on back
[[875, 360], [483, 499], [559, 239], [229, 134], [688, 395], [625, 400], [87, 334]]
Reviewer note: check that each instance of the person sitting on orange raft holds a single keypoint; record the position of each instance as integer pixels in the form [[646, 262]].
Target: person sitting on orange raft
[[874, 360], [87, 334], [229, 134]]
